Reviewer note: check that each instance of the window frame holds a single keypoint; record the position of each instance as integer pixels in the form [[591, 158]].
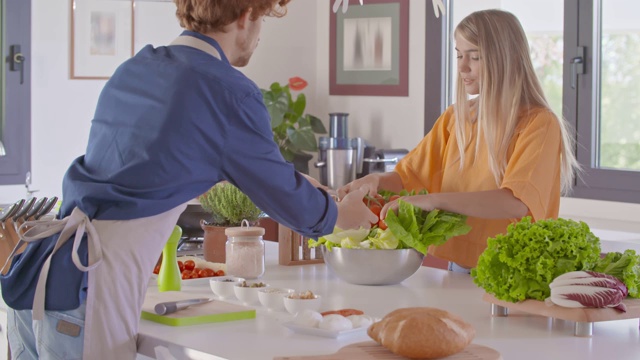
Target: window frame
[[594, 183], [16, 101]]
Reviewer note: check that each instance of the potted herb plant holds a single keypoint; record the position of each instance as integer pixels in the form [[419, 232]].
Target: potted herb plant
[[228, 207], [293, 130]]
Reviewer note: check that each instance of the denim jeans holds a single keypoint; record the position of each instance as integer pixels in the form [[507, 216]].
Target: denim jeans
[[458, 269], [60, 335]]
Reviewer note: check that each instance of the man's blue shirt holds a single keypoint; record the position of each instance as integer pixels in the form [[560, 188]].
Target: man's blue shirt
[[170, 123]]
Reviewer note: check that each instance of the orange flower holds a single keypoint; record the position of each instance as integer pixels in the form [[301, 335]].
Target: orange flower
[[297, 83]]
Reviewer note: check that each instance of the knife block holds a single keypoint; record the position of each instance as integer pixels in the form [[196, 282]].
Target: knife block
[[293, 248]]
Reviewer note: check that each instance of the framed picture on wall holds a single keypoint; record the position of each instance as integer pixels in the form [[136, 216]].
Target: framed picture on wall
[[101, 37], [369, 49]]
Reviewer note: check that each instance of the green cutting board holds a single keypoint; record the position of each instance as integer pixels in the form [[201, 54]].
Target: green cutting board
[[211, 312]]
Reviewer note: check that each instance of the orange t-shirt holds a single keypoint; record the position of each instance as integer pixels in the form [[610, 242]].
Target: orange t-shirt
[[532, 174]]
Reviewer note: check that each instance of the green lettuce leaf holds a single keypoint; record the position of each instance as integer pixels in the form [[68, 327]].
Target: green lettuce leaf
[[522, 263], [418, 229], [625, 266]]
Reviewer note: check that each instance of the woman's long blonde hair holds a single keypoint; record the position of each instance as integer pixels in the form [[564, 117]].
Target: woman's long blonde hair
[[508, 85]]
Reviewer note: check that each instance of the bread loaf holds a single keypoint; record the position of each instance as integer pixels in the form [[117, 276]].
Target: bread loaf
[[422, 332]]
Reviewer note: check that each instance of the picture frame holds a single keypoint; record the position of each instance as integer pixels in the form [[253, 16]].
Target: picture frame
[[369, 49], [102, 37]]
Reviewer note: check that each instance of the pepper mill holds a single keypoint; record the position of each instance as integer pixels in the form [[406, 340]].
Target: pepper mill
[[169, 277]]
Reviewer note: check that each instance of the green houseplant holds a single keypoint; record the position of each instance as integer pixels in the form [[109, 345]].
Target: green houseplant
[[228, 207], [293, 130]]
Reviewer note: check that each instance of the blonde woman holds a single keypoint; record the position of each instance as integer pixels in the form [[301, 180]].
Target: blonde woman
[[495, 157]]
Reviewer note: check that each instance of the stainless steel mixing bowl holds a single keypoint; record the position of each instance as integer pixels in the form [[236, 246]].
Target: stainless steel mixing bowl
[[372, 267]]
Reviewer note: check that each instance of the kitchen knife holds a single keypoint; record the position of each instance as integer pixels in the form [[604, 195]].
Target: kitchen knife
[[35, 208], [47, 207], [24, 209], [9, 212], [12, 210], [173, 306]]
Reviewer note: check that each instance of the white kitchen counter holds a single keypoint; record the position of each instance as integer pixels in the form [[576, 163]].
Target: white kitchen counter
[[519, 336]]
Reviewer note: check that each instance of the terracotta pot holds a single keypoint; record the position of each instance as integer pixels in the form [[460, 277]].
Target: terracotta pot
[[214, 242], [270, 228]]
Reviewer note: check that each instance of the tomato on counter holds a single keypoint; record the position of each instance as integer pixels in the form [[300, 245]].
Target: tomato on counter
[[189, 270]]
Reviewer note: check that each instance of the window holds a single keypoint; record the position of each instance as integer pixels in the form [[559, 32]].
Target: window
[[607, 107], [15, 92], [584, 53]]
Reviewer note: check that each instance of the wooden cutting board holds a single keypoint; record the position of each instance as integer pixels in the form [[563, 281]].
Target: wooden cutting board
[[371, 350], [214, 311], [572, 314]]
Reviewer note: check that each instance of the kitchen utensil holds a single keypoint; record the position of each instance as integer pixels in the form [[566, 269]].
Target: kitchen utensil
[[170, 307], [169, 278], [10, 212], [293, 248], [339, 157], [213, 311], [35, 209], [8, 236], [46, 208], [27, 205], [373, 351], [372, 267]]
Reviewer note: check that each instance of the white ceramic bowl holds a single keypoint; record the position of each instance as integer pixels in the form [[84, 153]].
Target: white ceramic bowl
[[222, 286], [273, 298], [248, 294], [295, 306]]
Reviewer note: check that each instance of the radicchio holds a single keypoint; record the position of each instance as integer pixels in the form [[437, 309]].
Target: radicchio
[[588, 289]]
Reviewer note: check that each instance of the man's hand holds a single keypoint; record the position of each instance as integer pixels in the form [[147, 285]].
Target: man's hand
[[368, 183], [353, 213]]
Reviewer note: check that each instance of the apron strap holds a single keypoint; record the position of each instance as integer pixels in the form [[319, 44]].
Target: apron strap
[[77, 223], [196, 43]]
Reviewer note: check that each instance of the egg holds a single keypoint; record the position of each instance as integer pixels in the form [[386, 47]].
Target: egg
[[335, 322], [308, 318], [360, 320]]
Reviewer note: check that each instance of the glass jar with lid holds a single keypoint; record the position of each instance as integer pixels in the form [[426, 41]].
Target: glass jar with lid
[[245, 251]]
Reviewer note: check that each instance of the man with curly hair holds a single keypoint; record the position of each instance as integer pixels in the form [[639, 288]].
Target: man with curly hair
[[170, 123]]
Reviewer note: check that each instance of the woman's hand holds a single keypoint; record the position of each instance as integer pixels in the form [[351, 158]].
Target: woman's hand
[[425, 202], [353, 213]]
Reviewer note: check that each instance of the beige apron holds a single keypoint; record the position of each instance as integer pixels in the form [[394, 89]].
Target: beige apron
[[122, 254]]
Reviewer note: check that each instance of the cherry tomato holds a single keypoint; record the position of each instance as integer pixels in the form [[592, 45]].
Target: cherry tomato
[[180, 266], [375, 208], [189, 265], [156, 270], [382, 225], [186, 274], [206, 272], [219, 273]]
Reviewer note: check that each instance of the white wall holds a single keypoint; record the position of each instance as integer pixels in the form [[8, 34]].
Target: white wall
[[296, 45]]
